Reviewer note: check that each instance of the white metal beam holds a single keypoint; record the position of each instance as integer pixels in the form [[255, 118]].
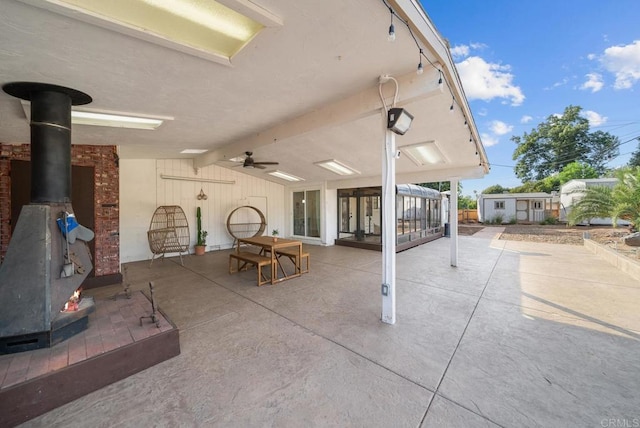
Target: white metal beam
[[453, 221], [413, 87], [388, 226]]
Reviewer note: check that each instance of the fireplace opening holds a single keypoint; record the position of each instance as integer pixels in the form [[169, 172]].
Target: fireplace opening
[[73, 303]]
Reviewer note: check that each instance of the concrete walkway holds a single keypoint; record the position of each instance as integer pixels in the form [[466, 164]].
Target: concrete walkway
[[519, 334]]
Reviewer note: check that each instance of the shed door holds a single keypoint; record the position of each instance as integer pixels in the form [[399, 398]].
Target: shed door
[[522, 208]]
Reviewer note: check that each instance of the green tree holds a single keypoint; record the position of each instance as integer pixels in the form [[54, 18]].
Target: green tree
[[604, 147], [576, 170], [559, 141], [553, 182], [635, 157], [528, 187], [466, 203], [546, 185], [440, 186], [620, 202], [495, 189]]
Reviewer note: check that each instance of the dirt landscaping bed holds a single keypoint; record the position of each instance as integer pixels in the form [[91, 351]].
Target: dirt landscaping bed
[[562, 234]]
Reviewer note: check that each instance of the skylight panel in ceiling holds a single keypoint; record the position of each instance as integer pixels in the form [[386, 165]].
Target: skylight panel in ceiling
[[205, 28]]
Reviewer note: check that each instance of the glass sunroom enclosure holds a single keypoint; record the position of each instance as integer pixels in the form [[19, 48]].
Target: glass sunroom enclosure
[[418, 214]]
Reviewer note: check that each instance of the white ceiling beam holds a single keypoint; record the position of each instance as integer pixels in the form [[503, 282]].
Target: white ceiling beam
[[466, 173], [254, 11], [413, 87]]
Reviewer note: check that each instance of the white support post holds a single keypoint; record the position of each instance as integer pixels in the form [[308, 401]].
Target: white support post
[[453, 221], [388, 226]]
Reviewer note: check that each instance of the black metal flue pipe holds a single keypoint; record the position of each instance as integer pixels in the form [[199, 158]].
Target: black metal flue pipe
[[50, 147], [50, 137]]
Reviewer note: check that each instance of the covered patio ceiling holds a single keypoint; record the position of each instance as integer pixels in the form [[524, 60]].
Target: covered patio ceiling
[[304, 90]]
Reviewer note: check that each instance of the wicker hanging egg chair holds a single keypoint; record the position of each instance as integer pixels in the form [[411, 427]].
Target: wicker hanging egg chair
[[168, 232]]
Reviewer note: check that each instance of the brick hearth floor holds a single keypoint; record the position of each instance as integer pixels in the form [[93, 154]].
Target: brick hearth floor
[[115, 323]]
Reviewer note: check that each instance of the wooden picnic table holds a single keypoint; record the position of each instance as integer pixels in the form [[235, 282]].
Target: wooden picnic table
[[271, 246]]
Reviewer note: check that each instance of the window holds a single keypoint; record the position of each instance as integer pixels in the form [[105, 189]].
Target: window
[[537, 205], [419, 214], [498, 205], [306, 213], [399, 215], [434, 215]]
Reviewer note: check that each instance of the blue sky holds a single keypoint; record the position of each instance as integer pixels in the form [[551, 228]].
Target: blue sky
[[521, 62]]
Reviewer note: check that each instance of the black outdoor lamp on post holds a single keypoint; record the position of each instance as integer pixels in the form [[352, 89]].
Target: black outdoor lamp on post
[[399, 120]]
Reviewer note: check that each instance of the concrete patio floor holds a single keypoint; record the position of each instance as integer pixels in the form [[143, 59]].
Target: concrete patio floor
[[519, 334]]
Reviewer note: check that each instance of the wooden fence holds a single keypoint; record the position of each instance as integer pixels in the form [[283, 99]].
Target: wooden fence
[[467, 216]]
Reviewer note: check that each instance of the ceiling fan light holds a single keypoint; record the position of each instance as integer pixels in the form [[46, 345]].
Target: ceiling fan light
[[249, 162]]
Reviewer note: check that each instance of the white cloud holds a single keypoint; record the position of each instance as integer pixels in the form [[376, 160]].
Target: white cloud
[[483, 112], [526, 119], [486, 81], [594, 82], [500, 128], [592, 56], [496, 128], [488, 140], [460, 51], [624, 63], [595, 119], [562, 82], [463, 51], [478, 46]]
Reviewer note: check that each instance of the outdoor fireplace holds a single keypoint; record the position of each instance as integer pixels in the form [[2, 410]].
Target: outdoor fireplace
[[46, 261]]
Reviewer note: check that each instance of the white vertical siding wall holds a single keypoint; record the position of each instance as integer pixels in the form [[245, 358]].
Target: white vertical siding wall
[[137, 204], [142, 191]]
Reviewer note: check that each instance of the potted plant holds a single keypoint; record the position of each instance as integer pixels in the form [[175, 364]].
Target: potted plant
[[201, 243], [275, 234]]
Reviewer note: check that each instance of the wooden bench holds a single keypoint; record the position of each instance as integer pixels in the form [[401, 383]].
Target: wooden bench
[[253, 259], [292, 254]]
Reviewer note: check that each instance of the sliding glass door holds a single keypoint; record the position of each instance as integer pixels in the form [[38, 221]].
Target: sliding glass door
[[306, 213]]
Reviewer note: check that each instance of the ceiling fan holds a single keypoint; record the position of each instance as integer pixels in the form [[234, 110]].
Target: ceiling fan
[[250, 163]]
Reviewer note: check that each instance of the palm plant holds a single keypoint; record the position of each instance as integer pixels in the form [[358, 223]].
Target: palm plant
[[620, 202], [626, 195]]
